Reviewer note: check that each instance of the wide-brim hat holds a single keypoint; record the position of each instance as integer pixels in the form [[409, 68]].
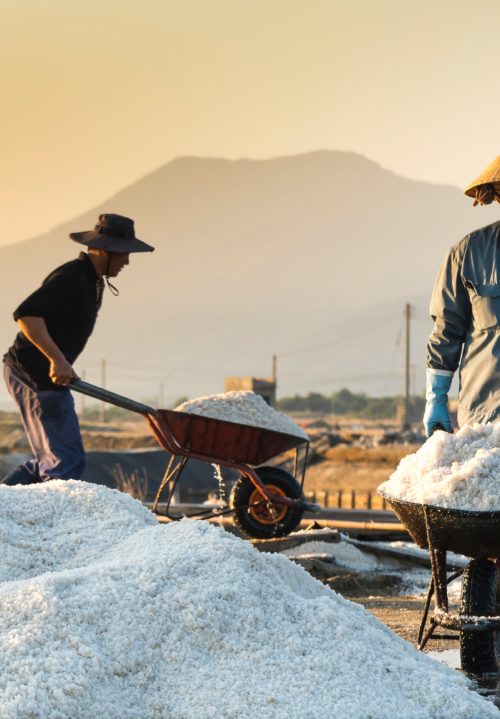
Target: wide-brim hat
[[113, 233], [490, 176]]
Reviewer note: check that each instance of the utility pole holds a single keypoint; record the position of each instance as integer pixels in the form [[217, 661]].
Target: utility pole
[[406, 413], [275, 378], [103, 385]]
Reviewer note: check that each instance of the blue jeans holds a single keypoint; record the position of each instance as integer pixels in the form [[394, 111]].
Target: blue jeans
[[53, 432]]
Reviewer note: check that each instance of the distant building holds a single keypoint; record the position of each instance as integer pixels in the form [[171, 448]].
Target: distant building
[[263, 386]]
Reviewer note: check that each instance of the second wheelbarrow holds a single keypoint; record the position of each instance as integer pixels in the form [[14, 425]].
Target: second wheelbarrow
[[266, 501], [477, 536]]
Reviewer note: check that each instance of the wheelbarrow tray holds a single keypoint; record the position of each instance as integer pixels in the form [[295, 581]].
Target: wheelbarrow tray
[[217, 439], [473, 534]]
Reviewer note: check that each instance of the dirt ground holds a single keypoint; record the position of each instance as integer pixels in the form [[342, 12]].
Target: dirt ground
[[402, 615]]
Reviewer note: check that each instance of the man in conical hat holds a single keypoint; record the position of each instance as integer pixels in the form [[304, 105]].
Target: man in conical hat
[[55, 323], [486, 188], [465, 307]]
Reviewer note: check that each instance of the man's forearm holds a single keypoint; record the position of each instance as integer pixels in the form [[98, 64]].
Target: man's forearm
[[445, 344], [35, 329]]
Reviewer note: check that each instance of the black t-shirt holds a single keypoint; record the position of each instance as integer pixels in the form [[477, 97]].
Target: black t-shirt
[[68, 300]]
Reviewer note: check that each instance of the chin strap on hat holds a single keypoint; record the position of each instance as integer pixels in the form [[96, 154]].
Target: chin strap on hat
[[114, 290]]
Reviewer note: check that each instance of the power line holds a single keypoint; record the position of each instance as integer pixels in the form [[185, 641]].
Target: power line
[[345, 338]]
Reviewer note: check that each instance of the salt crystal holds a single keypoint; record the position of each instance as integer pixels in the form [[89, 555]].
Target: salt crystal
[[456, 471], [243, 407]]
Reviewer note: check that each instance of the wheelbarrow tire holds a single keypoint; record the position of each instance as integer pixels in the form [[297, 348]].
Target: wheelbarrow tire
[[247, 517], [480, 597]]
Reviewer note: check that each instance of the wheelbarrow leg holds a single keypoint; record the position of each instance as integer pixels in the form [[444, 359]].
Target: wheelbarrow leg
[[437, 585], [438, 567], [421, 644], [438, 564], [171, 474], [301, 462]]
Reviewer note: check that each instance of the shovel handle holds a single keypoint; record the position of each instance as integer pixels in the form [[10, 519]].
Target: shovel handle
[[110, 397]]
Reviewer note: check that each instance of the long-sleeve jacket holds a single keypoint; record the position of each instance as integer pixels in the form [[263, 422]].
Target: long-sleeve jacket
[[465, 307]]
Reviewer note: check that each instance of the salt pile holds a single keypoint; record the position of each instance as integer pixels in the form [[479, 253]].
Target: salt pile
[[345, 554], [457, 471], [186, 621], [243, 407], [63, 525]]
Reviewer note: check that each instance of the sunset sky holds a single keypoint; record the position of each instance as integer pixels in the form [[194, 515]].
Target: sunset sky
[[97, 93]]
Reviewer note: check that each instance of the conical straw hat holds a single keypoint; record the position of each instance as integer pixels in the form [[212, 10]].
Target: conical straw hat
[[490, 175]]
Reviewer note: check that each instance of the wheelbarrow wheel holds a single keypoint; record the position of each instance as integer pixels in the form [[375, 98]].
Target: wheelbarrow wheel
[[258, 518], [480, 651]]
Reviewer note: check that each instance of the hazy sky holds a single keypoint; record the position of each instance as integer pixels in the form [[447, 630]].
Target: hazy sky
[[96, 93]]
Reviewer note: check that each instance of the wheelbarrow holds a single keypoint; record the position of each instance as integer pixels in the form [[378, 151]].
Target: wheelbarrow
[[477, 536], [265, 501]]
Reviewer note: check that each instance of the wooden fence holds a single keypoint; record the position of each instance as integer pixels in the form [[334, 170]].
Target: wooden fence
[[347, 499]]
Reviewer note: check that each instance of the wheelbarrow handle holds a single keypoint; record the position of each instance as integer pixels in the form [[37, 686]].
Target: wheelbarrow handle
[[110, 397]]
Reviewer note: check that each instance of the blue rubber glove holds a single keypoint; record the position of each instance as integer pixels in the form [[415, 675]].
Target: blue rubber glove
[[436, 393]]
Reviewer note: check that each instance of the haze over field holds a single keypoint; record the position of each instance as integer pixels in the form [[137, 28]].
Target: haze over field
[[309, 257]]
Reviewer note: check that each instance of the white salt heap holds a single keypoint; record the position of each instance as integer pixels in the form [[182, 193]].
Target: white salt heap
[[118, 617], [243, 407], [345, 554], [63, 525], [457, 471]]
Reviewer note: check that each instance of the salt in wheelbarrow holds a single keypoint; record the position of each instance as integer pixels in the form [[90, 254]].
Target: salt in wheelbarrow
[[477, 536], [265, 501]]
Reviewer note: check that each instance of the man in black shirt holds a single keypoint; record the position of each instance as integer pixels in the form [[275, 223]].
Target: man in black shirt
[[56, 322]]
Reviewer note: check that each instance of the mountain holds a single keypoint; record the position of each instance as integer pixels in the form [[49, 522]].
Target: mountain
[[309, 257]]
